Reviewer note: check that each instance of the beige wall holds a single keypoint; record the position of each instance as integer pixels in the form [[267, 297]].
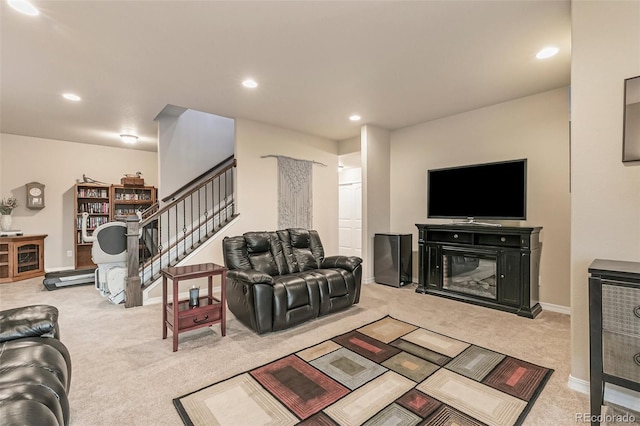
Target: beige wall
[[536, 128], [375, 149], [349, 146], [257, 185], [57, 164], [605, 203]]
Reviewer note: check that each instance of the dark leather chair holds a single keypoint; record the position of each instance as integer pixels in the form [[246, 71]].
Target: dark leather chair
[[280, 279], [35, 368]]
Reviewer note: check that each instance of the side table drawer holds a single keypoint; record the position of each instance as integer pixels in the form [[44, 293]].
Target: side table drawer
[[621, 355], [621, 309], [202, 315], [498, 240], [450, 237]]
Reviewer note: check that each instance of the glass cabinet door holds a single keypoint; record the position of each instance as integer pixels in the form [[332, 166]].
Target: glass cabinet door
[[27, 258]]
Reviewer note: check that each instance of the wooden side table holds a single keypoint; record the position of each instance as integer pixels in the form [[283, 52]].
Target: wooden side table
[[178, 316]]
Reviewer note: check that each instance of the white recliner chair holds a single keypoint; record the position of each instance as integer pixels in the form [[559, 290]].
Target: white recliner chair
[[109, 252]]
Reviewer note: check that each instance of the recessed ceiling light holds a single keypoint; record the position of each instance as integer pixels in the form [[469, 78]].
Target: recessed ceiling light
[[355, 117], [129, 138], [251, 84], [547, 52], [71, 97], [23, 6]]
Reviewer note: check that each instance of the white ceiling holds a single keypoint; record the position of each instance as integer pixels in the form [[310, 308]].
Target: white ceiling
[[395, 63]]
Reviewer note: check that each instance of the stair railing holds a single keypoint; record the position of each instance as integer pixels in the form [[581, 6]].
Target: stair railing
[[167, 234]]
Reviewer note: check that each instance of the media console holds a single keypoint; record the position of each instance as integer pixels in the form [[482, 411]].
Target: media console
[[496, 267]]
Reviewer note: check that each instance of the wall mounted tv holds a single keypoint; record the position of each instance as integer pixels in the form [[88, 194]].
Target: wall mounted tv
[[487, 191]]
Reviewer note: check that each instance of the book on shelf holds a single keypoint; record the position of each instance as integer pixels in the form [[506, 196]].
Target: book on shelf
[[93, 192]]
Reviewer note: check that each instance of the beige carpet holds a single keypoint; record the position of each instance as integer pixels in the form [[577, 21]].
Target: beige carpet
[[125, 374]]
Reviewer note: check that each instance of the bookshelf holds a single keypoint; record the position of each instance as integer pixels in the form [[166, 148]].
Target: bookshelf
[[105, 203], [127, 200], [95, 200]]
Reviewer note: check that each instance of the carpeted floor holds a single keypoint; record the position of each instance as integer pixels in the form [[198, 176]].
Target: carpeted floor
[[404, 374], [125, 374]]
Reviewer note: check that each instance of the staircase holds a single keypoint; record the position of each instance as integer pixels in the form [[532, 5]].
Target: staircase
[[170, 233]]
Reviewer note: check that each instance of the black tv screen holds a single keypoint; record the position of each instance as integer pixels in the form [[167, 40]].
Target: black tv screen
[[489, 191]]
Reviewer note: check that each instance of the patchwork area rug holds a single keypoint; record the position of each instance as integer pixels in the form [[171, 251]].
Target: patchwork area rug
[[387, 372]]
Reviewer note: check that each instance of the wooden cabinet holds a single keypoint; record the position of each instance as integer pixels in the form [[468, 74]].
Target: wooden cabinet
[[95, 200], [614, 328], [21, 257], [105, 203], [127, 200], [496, 267]]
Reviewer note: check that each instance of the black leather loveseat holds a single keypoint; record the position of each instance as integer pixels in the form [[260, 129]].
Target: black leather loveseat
[[280, 279], [35, 368]]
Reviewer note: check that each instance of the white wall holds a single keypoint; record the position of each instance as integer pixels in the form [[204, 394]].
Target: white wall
[[605, 204], [257, 185], [534, 127], [58, 164], [189, 145]]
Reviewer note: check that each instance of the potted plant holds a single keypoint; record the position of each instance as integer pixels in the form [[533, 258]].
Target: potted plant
[[6, 207]]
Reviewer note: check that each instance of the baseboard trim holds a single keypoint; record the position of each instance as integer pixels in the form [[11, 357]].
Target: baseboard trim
[[368, 280], [58, 269], [612, 393], [555, 308]]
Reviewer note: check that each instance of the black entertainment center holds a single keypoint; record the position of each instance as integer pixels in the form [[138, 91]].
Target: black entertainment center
[[492, 266]]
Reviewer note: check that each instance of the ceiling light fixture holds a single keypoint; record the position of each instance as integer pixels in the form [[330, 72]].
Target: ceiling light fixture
[[355, 117], [129, 138], [23, 6], [251, 84], [547, 52], [71, 97]]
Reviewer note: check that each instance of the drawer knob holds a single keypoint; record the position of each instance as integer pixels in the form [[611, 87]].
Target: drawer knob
[[636, 311], [503, 239], [195, 320], [455, 235], [636, 358]]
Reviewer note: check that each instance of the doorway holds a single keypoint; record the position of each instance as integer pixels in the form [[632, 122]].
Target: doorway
[[350, 219]]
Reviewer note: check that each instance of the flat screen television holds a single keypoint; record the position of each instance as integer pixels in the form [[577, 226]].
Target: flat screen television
[[486, 191]]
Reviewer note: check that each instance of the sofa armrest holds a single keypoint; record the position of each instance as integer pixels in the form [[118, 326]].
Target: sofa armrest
[[29, 321], [250, 276], [350, 263]]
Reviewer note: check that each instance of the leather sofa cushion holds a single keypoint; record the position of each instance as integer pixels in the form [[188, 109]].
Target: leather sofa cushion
[[305, 259], [235, 253], [301, 247], [259, 252], [296, 290], [29, 375], [29, 321], [26, 412], [34, 392], [41, 356], [336, 281], [30, 342], [299, 238], [257, 242]]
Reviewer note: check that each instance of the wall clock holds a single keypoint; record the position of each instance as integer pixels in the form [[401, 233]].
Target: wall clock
[[35, 195]]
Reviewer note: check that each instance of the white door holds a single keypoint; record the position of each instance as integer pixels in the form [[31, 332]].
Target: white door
[[350, 219]]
